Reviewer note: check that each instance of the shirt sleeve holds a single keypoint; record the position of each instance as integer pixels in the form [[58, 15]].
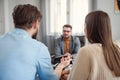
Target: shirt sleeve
[[44, 67], [57, 49], [76, 47]]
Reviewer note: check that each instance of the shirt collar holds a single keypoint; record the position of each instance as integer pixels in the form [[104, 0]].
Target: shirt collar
[[21, 32]]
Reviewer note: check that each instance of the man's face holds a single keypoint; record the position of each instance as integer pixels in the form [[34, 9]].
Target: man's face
[[67, 32]]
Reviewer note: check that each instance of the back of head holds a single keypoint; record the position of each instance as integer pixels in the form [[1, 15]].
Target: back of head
[[98, 26], [25, 15], [98, 30]]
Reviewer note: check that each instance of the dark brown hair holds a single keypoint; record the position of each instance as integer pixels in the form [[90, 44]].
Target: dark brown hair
[[68, 26], [98, 28], [25, 15]]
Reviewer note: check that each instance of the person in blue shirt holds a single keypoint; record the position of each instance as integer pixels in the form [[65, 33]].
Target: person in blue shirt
[[21, 56]]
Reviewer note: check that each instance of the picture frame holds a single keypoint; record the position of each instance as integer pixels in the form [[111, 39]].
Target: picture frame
[[117, 6]]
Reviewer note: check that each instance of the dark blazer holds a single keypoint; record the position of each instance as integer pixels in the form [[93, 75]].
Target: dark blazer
[[74, 46]]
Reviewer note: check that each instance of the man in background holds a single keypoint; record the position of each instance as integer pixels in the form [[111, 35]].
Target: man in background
[[67, 44], [21, 56]]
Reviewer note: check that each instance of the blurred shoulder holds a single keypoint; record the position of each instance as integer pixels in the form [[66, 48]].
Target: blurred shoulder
[[41, 48], [38, 44], [75, 37], [91, 49], [60, 38]]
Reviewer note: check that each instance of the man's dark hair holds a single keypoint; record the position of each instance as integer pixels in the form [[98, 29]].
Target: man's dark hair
[[25, 15], [67, 25]]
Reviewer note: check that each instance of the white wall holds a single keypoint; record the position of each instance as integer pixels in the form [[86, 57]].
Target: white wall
[[2, 22], [108, 6], [6, 9]]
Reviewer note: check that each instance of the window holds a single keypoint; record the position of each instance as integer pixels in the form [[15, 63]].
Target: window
[[63, 12]]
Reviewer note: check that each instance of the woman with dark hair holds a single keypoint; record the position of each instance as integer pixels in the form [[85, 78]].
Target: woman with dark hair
[[100, 60]]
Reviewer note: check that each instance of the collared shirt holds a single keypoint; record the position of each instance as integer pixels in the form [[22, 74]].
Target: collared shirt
[[22, 58]]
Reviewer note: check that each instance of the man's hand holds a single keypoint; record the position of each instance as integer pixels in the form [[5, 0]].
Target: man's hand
[[68, 55], [65, 60], [65, 74]]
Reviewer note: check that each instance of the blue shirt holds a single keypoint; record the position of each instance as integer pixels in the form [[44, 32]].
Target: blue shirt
[[23, 58]]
